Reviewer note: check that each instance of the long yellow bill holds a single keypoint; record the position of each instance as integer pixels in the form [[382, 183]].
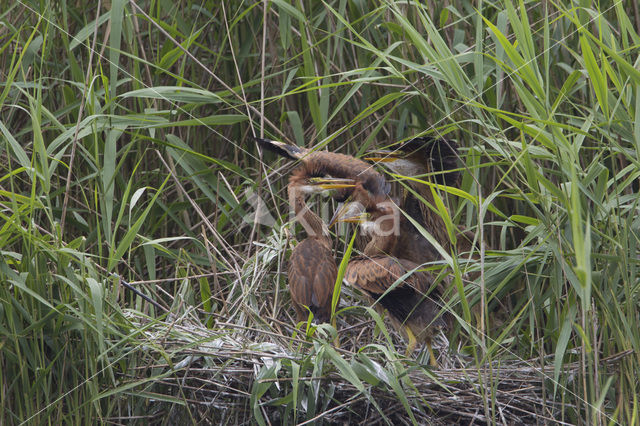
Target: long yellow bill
[[351, 212], [332, 183], [383, 155]]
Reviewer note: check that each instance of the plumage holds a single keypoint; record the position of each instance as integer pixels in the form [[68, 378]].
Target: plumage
[[428, 159], [292, 151], [434, 160], [312, 268], [312, 275], [381, 276], [409, 303], [436, 156], [370, 186]]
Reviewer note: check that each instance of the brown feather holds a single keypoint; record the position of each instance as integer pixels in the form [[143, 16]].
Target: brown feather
[[371, 185], [290, 151], [320, 163], [408, 303], [412, 245], [422, 156], [312, 268], [312, 276], [433, 156]]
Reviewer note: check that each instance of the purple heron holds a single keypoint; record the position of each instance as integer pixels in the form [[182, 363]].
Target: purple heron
[[312, 267], [370, 186], [393, 283], [430, 160], [433, 161]]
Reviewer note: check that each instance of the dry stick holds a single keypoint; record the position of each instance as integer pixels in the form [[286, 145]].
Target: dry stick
[[262, 59], [260, 157], [539, 338], [285, 324], [234, 391], [290, 379], [206, 69], [130, 286], [107, 32], [233, 56], [259, 331], [583, 357], [144, 296], [216, 281], [185, 213], [225, 309], [186, 277], [483, 299], [231, 191], [336, 408], [77, 130], [276, 296], [229, 247], [596, 349]]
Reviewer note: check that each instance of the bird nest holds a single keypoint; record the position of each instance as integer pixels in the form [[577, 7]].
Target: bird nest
[[227, 373]]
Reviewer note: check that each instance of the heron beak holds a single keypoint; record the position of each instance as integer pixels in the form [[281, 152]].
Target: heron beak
[[332, 183], [351, 212], [384, 155]]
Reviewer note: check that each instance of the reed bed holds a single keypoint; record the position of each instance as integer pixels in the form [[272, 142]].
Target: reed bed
[[144, 237]]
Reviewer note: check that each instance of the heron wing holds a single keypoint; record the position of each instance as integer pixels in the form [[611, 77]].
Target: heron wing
[[409, 299]]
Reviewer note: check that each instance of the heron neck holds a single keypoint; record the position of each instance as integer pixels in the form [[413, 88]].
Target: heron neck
[[311, 222], [385, 236]]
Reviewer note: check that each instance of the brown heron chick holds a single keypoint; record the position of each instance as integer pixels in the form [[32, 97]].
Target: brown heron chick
[[370, 186], [390, 282], [312, 267], [427, 159], [434, 159], [420, 157]]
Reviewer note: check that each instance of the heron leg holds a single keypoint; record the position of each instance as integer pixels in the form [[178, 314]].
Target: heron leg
[[411, 346], [432, 357], [301, 314]]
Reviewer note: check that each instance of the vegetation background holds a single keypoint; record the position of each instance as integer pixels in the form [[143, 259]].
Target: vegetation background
[[126, 158]]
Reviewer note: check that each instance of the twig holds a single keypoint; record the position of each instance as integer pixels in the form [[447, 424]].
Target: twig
[[136, 291]]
